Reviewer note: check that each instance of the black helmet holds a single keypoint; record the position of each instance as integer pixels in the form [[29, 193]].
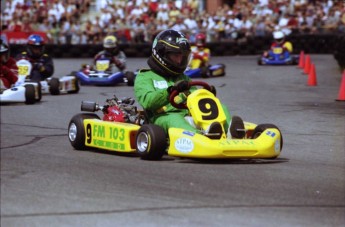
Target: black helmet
[[165, 44], [35, 46], [4, 52]]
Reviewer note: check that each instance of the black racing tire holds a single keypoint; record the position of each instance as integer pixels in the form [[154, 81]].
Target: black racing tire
[[76, 131], [30, 94], [54, 86], [130, 78], [262, 127], [76, 84], [39, 92], [205, 72], [259, 61], [151, 142]]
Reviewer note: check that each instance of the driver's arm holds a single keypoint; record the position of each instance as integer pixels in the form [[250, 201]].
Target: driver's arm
[[47, 69], [150, 91]]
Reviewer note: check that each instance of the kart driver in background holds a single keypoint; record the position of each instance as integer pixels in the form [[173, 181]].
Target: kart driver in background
[[200, 52], [279, 41], [42, 63], [9, 69], [113, 53], [171, 54]]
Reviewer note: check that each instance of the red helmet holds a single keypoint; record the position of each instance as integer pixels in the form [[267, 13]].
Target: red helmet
[[200, 40]]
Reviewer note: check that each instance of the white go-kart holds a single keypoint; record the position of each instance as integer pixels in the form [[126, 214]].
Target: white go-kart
[[30, 92]]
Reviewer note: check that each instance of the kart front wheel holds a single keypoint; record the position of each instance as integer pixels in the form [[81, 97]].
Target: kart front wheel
[[130, 78], [151, 142], [39, 92], [54, 86], [259, 129], [76, 131], [30, 94], [259, 61]]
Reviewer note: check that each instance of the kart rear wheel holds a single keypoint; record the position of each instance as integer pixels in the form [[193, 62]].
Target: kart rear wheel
[[30, 94], [130, 78], [151, 142], [76, 131], [259, 129], [54, 86], [75, 83]]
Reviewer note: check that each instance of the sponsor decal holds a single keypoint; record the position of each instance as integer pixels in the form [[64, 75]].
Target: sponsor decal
[[181, 40], [108, 144], [271, 134], [99, 132], [189, 133], [277, 146], [237, 142], [160, 84], [184, 145]]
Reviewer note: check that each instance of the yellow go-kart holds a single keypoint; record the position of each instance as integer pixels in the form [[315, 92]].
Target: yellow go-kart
[[125, 129]]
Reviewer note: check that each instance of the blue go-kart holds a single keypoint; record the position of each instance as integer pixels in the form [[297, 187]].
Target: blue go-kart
[[278, 56], [101, 75]]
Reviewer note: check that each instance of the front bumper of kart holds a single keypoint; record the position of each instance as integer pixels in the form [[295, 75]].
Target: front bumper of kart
[[105, 79], [276, 61], [191, 145]]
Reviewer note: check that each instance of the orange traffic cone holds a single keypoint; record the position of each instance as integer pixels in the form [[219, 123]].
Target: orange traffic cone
[[307, 64], [301, 60], [341, 96], [312, 76]]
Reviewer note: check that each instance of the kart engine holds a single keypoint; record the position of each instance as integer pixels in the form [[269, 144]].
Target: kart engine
[[122, 110]]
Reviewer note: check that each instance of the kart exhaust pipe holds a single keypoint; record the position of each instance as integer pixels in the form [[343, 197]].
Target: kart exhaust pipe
[[89, 106]]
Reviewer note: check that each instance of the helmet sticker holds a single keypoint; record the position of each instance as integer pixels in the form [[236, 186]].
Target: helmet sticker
[[154, 43], [181, 40]]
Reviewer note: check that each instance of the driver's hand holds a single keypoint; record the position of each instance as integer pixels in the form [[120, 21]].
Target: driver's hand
[[179, 86]]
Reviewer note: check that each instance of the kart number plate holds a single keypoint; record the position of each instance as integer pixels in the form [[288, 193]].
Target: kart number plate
[[278, 50], [102, 65], [23, 70]]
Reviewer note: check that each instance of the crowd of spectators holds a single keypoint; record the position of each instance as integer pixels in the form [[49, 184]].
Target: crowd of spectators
[[138, 21]]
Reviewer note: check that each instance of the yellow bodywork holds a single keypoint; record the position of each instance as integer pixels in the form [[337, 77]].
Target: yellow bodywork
[[205, 108], [192, 145], [114, 136]]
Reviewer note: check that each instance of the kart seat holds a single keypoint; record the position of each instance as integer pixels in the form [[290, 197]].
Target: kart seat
[[214, 131], [236, 128]]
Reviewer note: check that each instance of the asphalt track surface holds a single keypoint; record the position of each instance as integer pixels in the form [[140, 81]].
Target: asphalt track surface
[[45, 182]]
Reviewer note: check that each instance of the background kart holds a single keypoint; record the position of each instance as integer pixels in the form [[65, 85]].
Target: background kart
[[196, 70], [278, 56], [28, 92], [51, 85], [100, 75], [125, 129]]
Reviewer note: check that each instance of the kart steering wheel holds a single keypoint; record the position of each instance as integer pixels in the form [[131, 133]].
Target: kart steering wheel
[[174, 93]]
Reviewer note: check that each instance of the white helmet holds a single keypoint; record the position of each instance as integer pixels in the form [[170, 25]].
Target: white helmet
[[278, 36]]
